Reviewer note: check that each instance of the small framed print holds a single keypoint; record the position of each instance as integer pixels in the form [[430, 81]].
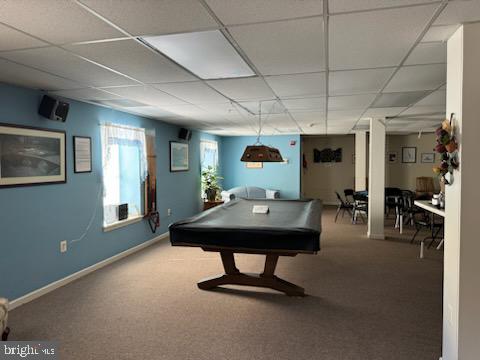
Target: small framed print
[[392, 157], [82, 154], [254, 165], [409, 155], [178, 156], [428, 158]]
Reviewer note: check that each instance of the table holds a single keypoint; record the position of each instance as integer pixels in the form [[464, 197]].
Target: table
[[290, 227], [433, 209], [210, 204]]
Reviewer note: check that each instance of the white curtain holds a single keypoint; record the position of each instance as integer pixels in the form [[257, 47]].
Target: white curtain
[[120, 134], [208, 153]]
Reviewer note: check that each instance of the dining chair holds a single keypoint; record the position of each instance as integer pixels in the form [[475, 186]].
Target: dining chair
[[360, 205], [426, 220], [343, 206], [394, 200], [348, 195]]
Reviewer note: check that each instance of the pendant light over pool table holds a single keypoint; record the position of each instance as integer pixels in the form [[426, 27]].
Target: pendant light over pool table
[[259, 152]]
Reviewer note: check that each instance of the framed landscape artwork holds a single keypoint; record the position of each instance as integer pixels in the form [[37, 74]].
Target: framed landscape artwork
[[31, 156], [428, 158], [178, 156], [409, 155]]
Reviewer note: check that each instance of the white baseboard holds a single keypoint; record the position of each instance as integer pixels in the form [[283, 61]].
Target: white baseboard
[[66, 280]]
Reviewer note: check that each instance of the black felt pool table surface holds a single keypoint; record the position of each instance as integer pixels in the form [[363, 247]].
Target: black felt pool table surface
[[290, 225]]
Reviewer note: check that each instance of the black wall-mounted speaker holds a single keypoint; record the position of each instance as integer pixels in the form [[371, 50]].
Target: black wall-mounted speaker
[[185, 134], [53, 109]]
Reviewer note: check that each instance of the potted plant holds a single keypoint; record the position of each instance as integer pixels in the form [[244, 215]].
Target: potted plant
[[210, 183]]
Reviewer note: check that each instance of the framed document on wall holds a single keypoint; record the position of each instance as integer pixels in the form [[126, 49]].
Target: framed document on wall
[[409, 155], [31, 156], [82, 154]]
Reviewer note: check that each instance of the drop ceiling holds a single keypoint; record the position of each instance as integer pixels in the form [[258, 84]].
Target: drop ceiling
[[320, 67]]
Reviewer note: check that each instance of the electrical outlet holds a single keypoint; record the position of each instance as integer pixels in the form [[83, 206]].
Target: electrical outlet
[[63, 246], [169, 212]]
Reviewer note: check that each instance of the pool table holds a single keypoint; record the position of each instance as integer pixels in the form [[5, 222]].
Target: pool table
[[290, 227]]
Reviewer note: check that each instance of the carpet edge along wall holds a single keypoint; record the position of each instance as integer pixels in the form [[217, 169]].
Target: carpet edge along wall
[[35, 219], [276, 176]]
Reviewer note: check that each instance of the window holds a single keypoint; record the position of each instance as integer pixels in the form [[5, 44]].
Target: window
[[208, 154], [208, 157], [124, 170]]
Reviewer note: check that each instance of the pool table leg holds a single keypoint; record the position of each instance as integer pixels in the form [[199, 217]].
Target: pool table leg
[[267, 279]]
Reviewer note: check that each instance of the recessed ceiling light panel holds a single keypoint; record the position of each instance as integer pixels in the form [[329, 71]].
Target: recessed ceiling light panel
[[207, 54]]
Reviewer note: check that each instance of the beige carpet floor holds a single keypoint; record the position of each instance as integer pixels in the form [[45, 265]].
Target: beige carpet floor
[[368, 299]]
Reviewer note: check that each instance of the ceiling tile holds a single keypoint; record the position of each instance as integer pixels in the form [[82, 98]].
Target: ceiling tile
[[242, 12], [459, 12], [121, 103], [11, 39], [311, 117], [154, 17], [427, 111], [62, 63], [358, 81], [344, 115], [428, 53], [298, 85], [337, 6], [399, 99], [133, 59], [225, 109], [58, 22], [350, 102], [438, 97], [243, 89], [375, 39], [24, 76], [86, 94], [418, 77], [147, 95], [153, 111], [283, 47], [268, 107], [304, 104], [382, 112], [193, 92], [439, 33]]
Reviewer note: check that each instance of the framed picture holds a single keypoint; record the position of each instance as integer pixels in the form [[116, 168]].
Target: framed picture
[[392, 157], [178, 156], [254, 165], [428, 158], [82, 154], [31, 156], [409, 155]]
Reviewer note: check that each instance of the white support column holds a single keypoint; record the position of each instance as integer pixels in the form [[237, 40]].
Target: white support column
[[376, 180], [461, 294], [360, 160]]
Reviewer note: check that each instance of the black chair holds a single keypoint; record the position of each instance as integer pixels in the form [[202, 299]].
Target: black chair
[[393, 200], [425, 219], [360, 205], [409, 209], [349, 195], [343, 206]]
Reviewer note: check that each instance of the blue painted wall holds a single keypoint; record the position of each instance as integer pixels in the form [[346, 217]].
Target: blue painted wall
[[34, 219], [283, 177]]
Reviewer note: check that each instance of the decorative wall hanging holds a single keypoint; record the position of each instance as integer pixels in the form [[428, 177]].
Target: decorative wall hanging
[[447, 147], [409, 155], [428, 158], [31, 156], [82, 154], [392, 157], [178, 156], [327, 155]]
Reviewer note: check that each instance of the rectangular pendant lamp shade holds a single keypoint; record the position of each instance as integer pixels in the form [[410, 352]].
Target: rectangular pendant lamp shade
[[261, 153]]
